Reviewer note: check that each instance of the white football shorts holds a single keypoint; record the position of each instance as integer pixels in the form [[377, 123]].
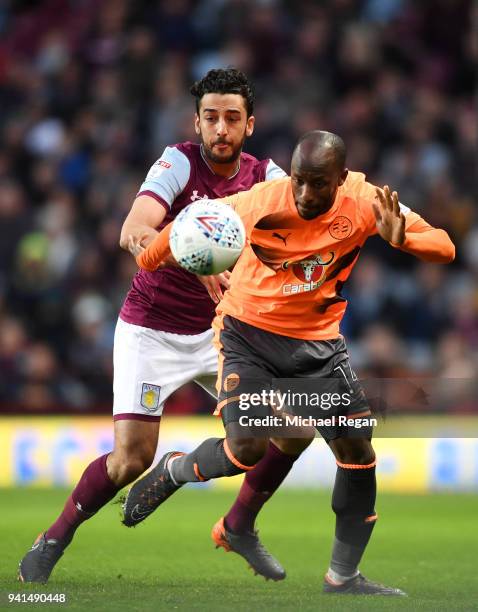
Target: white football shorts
[[150, 364]]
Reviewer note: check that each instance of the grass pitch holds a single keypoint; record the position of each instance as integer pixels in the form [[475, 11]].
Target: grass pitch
[[426, 545]]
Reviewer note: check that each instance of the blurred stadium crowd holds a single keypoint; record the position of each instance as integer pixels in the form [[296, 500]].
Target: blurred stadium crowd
[[91, 92]]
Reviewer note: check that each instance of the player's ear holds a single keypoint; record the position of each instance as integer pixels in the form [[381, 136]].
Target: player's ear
[[197, 129], [250, 125], [343, 176]]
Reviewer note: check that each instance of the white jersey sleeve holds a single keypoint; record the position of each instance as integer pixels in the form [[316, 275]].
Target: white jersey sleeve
[[168, 176], [273, 171]]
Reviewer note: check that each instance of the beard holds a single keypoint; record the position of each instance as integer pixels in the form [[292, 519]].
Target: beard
[[219, 159]]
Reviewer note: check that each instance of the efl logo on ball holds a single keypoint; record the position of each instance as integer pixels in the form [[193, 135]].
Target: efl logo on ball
[[207, 237]]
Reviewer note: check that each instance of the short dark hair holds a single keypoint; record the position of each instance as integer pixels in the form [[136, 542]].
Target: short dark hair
[[228, 81]]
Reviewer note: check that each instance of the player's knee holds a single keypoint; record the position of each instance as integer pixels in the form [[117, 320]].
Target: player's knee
[[123, 469], [293, 446], [365, 457], [248, 451], [353, 451]]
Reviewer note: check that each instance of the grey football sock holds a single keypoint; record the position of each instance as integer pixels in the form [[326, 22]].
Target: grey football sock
[[208, 460], [353, 501], [345, 559]]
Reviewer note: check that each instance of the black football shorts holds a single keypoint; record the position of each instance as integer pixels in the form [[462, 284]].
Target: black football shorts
[[263, 375]]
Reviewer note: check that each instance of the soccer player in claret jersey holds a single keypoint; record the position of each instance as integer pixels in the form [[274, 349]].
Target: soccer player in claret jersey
[[163, 336], [280, 319]]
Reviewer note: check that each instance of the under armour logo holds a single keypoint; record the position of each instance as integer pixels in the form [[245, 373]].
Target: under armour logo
[[283, 238], [196, 196]]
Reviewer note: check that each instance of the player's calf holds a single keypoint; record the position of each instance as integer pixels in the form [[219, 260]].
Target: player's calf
[[215, 458], [353, 502], [260, 484], [135, 444], [93, 491]]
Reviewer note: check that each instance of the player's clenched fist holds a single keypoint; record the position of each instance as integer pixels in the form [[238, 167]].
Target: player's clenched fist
[[390, 220]]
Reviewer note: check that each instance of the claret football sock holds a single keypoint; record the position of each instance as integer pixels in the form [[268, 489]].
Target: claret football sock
[[353, 502], [93, 491], [259, 485], [211, 459]]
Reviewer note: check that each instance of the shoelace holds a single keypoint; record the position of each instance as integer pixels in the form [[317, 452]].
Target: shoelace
[[161, 484], [49, 554], [151, 498], [371, 584], [258, 546]]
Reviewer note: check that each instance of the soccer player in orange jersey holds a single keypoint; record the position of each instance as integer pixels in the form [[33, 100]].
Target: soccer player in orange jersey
[[280, 319]]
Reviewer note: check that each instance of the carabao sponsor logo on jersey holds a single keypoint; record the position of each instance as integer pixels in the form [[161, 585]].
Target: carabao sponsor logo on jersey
[[310, 271], [150, 396]]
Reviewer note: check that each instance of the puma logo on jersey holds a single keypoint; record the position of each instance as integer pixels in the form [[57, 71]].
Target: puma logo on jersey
[[283, 238]]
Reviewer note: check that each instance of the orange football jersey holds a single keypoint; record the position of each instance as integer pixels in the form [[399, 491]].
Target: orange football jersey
[[289, 277]]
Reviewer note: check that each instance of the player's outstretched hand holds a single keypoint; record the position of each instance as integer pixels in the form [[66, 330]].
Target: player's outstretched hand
[[215, 283], [390, 220]]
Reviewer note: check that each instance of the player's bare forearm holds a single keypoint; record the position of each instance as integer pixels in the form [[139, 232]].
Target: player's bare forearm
[[141, 233], [142, 220], [157, 253]]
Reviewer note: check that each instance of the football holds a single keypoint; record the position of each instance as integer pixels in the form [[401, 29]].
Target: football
[[207, 237]]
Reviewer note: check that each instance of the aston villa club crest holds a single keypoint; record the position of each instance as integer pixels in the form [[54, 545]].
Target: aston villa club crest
[[150, 396]]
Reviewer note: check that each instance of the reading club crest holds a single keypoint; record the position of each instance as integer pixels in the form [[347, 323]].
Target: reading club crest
[[340, 228]]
